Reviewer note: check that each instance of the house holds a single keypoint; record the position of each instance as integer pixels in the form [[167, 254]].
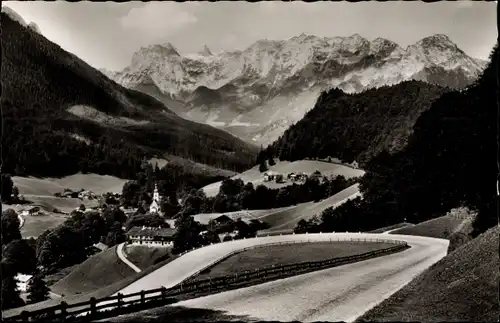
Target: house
[[87, 195], [150, 237], [270, 176], [22, 282], [34, 210], [223, 219]]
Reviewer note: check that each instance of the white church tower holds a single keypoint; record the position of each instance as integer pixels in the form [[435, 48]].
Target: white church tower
[[154, 208]]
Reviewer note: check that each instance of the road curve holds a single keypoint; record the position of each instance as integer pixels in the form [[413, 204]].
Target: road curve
[[338, 294]]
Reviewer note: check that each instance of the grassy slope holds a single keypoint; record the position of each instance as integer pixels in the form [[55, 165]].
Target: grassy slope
[[193, 167], [100, 270], [105, 268], [144, 257], [36, 225], [287, 219], [463, 286], [442, 227], [48, 186], [307, 166], [250, 260]]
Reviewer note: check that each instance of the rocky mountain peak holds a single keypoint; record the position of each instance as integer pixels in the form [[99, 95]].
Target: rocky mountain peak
[[206, 51]]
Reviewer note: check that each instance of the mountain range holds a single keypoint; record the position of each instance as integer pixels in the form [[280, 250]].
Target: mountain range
[[257, 93], [62, 116]]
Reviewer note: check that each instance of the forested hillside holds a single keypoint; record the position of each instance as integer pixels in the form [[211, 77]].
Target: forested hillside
[[449, 161], [61, 116], [357, 126]]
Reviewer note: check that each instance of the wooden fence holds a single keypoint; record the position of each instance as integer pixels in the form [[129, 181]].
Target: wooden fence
[[95, 309]]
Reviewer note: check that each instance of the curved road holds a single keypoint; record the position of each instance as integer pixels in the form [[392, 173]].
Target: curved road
[[337, 294]]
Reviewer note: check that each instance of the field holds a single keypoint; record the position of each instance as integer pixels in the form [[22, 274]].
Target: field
[[288, 219], [105, 268], [48, 186], [463, 286], [285, 167], [144, 257], [102, 269], [36, 225], [442, 227], [285, 218], [40, 191], [262, 257], [391, 227], [194, 167]]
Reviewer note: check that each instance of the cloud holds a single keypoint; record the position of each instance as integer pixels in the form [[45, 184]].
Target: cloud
[[160, 18]]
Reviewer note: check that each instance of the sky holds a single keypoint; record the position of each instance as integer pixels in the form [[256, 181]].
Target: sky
[[106, 34]]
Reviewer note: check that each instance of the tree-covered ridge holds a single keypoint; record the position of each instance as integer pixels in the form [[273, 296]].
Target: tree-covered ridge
[[449, 161], [357, 126], [40, 81]]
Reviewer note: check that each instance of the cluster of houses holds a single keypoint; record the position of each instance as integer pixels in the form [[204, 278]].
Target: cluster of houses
[[163, 237], [280, 178]]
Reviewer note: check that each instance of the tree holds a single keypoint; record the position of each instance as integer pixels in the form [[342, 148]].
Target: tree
[[10, 226], [271, 161], [37, 289], [10, 293], [148, 220], [15, 193], [301, 227], [115, 235], [113, 214], [82, 208], [187, 235], [263, 166], [7, 187], [20, 255]]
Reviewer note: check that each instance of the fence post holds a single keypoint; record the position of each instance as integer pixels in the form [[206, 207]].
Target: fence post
[[163, 293], [92, 306], [119, 300], [63, 306], [143, 297], [25, 316]]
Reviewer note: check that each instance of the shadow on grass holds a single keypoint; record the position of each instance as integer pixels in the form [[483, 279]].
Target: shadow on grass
[[184, 314]]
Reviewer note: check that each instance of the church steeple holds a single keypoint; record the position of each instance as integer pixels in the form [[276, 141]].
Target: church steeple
[[156, 195], [155, 205]]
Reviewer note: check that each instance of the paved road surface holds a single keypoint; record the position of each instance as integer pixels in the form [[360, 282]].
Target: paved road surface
[[337, 294]]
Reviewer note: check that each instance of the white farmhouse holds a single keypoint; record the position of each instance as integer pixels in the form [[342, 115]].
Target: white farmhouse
[[150, 237]]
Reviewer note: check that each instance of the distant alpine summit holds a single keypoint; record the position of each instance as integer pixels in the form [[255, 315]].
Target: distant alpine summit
[[259, 92]]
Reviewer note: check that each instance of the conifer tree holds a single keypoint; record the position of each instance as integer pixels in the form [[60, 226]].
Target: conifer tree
[[10, 293], [37, 289]]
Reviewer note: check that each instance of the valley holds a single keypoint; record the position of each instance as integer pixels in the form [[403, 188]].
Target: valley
[[335, 172]]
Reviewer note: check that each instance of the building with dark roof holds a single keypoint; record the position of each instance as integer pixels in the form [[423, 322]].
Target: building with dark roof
[[149, 236]]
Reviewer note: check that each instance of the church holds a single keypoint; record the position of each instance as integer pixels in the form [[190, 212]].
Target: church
[[155, 208]]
